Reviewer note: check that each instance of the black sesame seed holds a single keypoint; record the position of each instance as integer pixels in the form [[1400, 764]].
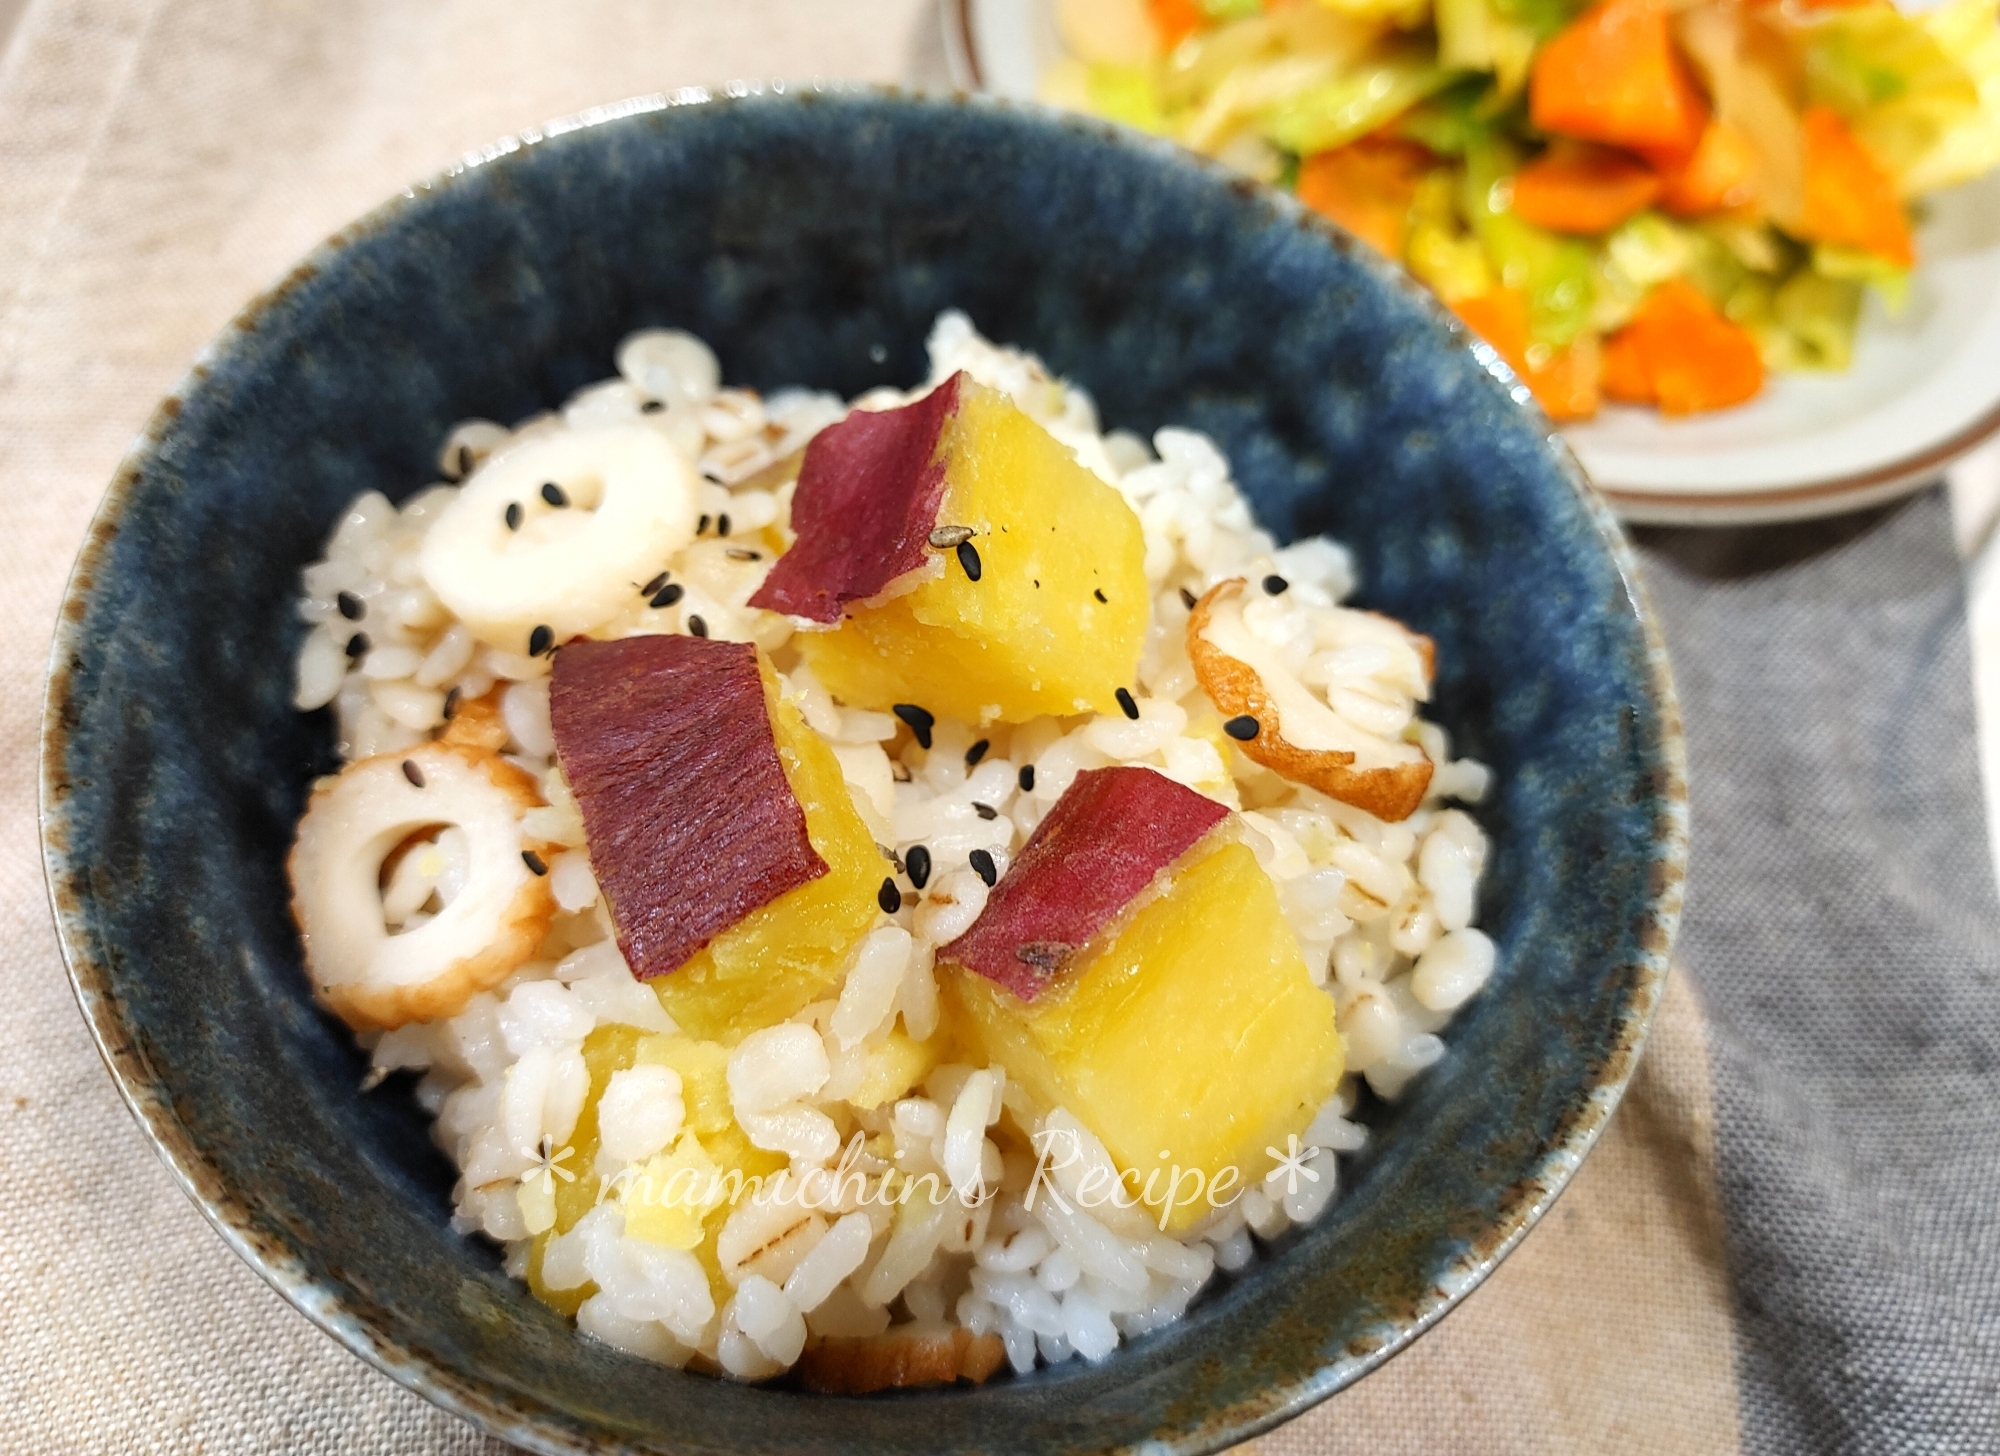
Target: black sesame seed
[[985, 811], [968, 557], [697, 626], [514, 514], [411, 772], [358, 645], [920, 722], [889, 897], [1275, 584], [554, 495], [1187, 599], [701, 525], [917, 864], [1027, 778], [722, 524], [651, 407], [652, 587], [541, 640], [667, 595], [450, 704], [983, 866], [351, 606], [1125, 703], [738, 553], [977, 752], [534, 862], [1242, 729], [1099, 594]]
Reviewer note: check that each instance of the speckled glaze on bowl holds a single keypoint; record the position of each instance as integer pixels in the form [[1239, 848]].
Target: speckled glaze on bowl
[[811, 238]]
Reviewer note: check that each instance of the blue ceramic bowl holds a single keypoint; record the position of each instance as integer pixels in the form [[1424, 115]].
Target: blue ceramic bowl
[[811, 238]]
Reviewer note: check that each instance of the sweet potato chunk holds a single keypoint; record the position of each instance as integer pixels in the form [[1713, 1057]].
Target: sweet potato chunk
[[794, 950], [1102, 846], [867, 500], [974, 568], [727, 844], [667, 745], [1191, 1036]]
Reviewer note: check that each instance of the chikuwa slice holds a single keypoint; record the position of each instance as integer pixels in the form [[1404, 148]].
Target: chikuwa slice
[[897, 1359], [738, 873], [1348, 744], [493, 904], [956, 556], [1133, 967], [546, 539]]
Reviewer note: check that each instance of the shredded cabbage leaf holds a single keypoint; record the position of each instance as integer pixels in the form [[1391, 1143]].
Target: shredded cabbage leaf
[[1352, 105], [1969, 32], [1476, 35]]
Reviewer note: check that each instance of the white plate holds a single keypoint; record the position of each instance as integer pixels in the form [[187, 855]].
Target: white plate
[[1924, 389]]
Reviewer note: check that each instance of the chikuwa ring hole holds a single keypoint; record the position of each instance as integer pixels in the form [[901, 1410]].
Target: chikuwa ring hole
[[545, 521], [422, 875]]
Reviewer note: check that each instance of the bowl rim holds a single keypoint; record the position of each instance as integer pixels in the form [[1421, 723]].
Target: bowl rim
[[518, 1418]]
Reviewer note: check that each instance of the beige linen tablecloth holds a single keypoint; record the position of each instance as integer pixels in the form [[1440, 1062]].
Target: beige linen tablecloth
[[160, 161]]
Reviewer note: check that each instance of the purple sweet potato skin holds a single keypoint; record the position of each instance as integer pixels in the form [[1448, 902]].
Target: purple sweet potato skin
[[666, 744], [1102, 844], [868, 495]]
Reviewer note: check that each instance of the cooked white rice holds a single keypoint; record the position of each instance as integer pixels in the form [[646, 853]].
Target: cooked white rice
[[1382, 911]]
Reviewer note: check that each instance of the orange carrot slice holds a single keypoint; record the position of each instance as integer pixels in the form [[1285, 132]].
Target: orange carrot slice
[[1175, 20], [1850, 200], [1627, 379], [1583, 189], [1680, 353], [1367, 187], [1722, 174], [1613, 75], [1564, 381]]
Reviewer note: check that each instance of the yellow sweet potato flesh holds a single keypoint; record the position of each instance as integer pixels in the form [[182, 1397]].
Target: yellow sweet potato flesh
[[791, 952], [1031, 636], [710, 1143], [606, 1050], [1195, 1036]]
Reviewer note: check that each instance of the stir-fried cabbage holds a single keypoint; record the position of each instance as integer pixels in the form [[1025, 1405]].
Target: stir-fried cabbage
[[1409, 121]]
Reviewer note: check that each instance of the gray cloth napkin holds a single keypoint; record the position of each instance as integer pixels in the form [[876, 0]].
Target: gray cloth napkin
[[1843, 931]]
